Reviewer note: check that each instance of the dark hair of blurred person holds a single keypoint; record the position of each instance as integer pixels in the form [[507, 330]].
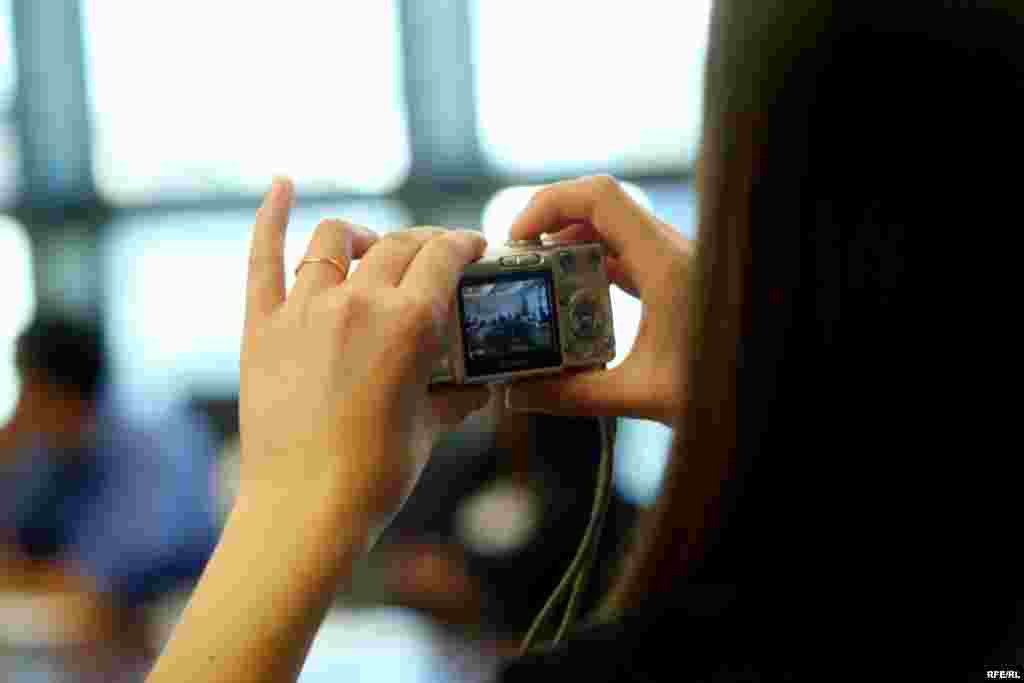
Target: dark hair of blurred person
[[838, 498], [65, 352], [63, 370]]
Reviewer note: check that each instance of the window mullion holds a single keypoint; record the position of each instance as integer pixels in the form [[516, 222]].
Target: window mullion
[[440, 93], [52, 109]]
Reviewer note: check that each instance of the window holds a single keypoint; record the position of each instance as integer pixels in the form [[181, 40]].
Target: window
[[8, 89], [17, 306], [193, 98], [575, 87], [175, 295], [641, 457]]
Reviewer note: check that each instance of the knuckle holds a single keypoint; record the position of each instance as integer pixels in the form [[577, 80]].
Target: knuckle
[[546, 194], [421, 312], [420, 308], [605, 184], [355, 305], [424, 231], [420, 233], [454, 244], [330, 231], [330, 238], [330, 224], [259, 277], [439, 250], [403, 239]]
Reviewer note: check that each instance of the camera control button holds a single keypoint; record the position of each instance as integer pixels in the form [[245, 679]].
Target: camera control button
[[507, 261], [586, 315], [528, 260]]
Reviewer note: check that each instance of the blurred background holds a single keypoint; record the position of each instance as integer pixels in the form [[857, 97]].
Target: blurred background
[[136, 140]]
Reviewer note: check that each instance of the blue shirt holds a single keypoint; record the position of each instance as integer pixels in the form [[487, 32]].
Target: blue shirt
[[134, 509]]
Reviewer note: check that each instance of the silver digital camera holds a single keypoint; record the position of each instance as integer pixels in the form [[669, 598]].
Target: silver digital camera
[[528, 308]]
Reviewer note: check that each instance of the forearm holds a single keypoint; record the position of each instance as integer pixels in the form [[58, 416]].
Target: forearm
[[263, 594]]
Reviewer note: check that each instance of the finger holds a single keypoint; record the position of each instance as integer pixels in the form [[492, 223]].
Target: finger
[[592, 392], [385, 263], [577, 232], [620, 275], [452, 405], [616, 270], [265, 286], [625, 226], [437, 267], [333, 239], [362, 239]]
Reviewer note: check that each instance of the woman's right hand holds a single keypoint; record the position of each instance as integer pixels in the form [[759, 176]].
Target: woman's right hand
[[649, 259]]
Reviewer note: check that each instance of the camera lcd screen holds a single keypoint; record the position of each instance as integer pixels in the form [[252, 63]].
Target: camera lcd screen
[[509, 324]]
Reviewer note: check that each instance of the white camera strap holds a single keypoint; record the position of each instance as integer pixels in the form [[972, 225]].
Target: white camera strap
[[579, 571]]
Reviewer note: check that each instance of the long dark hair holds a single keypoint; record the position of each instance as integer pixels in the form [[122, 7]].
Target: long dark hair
[[848, 153]]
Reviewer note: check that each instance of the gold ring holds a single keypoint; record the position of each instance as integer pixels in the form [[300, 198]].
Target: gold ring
[[337, 263]]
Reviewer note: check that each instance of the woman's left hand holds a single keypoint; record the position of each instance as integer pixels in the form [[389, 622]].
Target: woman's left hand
[[335, 410]]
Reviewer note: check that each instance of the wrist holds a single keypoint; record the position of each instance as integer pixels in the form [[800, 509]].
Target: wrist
[[280, 562], [327, 499], [302, 520]]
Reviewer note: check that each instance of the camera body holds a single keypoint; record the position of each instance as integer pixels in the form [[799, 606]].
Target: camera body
[[528, 308]]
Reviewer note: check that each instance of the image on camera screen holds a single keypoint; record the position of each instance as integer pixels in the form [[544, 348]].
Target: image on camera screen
[[508, 324]]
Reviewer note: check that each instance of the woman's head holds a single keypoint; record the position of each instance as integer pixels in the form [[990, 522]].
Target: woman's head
[[842, 144]]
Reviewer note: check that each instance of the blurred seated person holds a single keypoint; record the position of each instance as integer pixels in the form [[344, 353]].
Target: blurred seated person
[[89, 501], [486, 536]]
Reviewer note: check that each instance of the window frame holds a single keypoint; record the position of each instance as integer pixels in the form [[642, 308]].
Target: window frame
[[52, 120], [449, 180]]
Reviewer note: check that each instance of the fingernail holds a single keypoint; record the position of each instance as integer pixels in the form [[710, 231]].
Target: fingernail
[[268, 197], [366, 232], [278, 188], [474, 237]]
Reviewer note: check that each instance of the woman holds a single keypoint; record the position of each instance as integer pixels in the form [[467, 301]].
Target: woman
[[810, 526]]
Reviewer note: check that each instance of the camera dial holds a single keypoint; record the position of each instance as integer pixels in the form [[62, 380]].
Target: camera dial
[[586, 315]]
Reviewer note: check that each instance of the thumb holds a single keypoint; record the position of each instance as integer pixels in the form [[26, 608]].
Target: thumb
[[592, 392]]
